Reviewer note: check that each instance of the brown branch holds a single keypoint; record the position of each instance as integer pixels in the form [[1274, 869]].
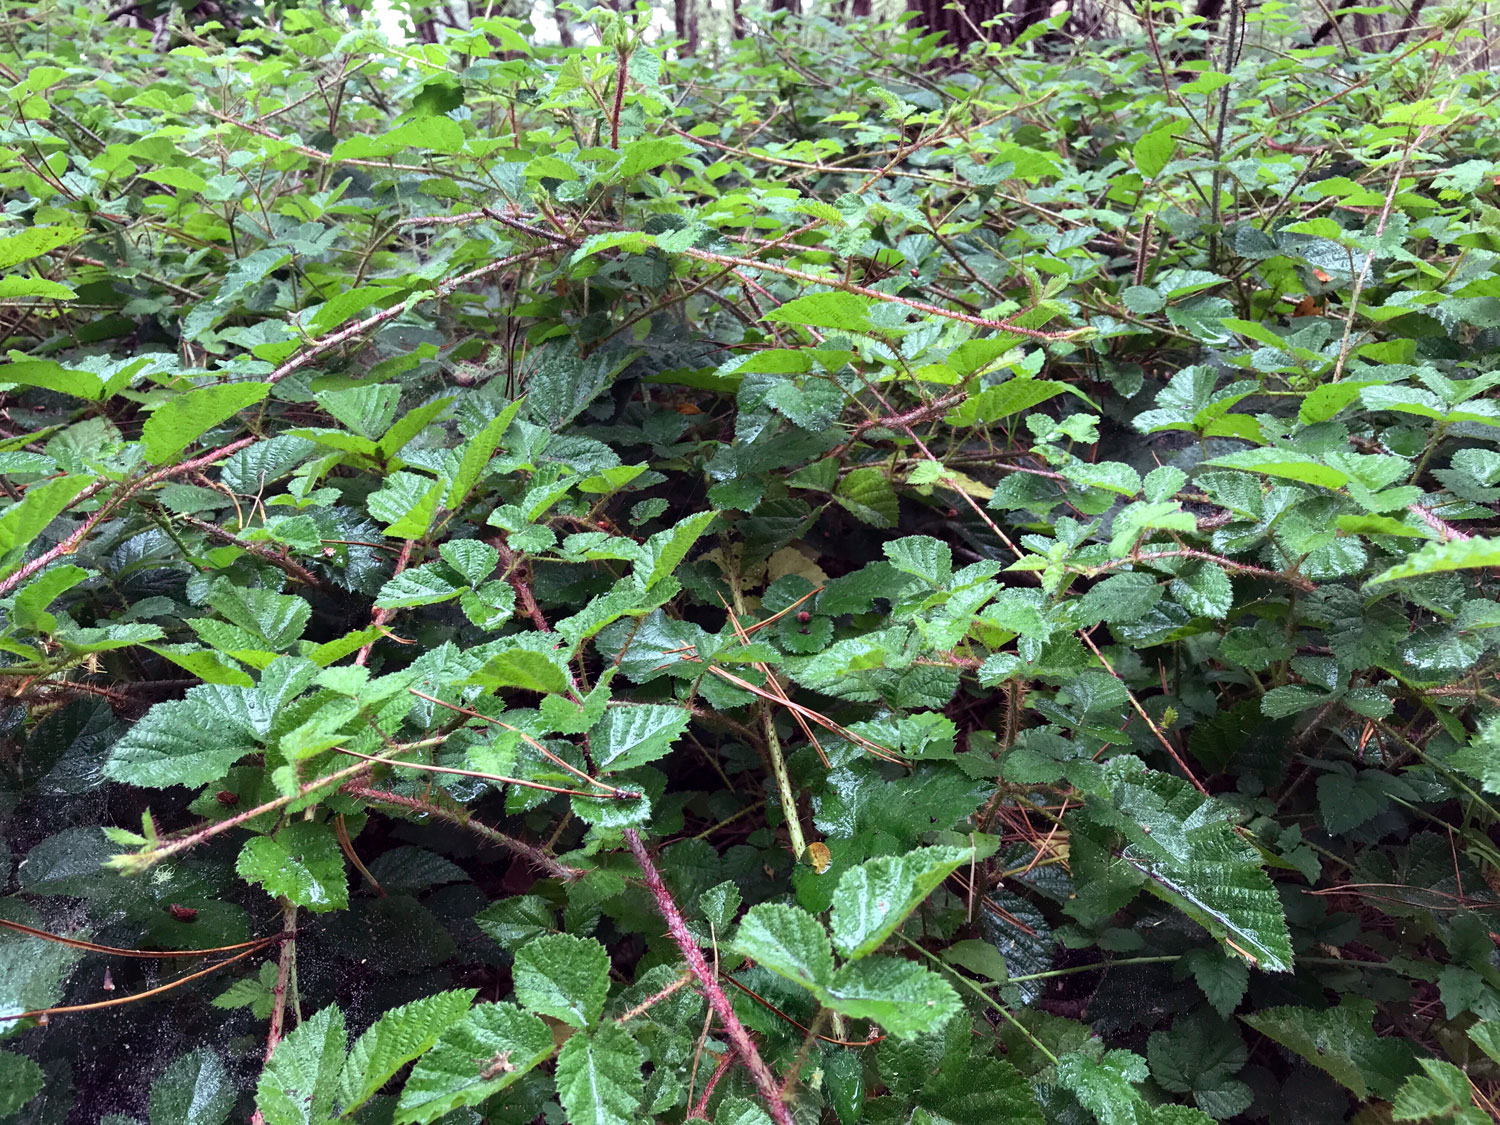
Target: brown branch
[[381, 616], [72, 542], [278, 993], [765, 1082], [278, 559]]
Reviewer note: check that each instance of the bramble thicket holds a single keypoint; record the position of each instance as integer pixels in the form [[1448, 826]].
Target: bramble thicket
[[841, 568]]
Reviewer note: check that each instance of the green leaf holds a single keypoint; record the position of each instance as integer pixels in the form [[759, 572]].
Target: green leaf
[[1181, 842], [868, 496], [873, 899], [599, 1077], [396, 1038], [904, 998], [42, 591], [474, 560], [35, 287], [1010, 397], [1153, 150], [1204, 591], [35, 241], [1436, 558], [522, 668], [787, 941], [298, 1083], [564, 977], [303, 862], [367, 410], [20, 1081], [194, 1090], [1106, 1087], [922, 555], [1442, 1090], [422, 585], [631, 736], [661, 553], [32, 973], [278, 619], [336, 310], [477, 453], [1341, 1041], [1285, 464], [492, 1047], [190, 741], [182, 419], [22, 523], [834, 309]]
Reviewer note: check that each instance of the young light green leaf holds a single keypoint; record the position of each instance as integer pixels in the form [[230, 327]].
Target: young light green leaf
[[194, 1090], [297, 1085], [633, 735], [564, 977], [181, 420], [393, 1040], [302, 862], [599, 1077], [873, 899], [492, 1047], [904, 998], [788, 941]]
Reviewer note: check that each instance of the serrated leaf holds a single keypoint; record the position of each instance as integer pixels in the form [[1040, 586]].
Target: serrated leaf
[[1437, 558], [599, 1077], [1204, 591], [190, 741], [664, 550], [868, 496], [1341, 1041], [564, 977], [492, 1047], [182, 419], [631, 736], [1010, 397], [788, 941], [904, 998], [873, 899], [923, 556], [393, 1040], [21, 1079], [522, 668], [298, 1083], [421, 585], [477, 453], [474, 560], [1222, 978], [194, 1090], [1182, 842], [834, 309], [302, 862]]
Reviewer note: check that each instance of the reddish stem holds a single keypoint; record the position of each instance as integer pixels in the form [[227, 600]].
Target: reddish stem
[[380, 616], [743, 1046], [725, 1061]]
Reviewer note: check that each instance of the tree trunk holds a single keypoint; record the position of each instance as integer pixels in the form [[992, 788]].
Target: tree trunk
[[564, 28], [685, 15], [963, 27], [793, 6]]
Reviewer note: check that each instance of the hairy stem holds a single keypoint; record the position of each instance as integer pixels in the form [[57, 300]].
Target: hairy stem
[[765, 1082]]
